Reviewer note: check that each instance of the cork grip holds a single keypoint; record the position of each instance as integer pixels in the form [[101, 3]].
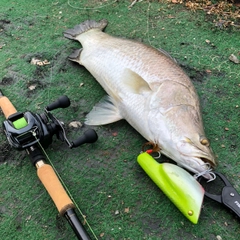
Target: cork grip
[[54, 187], [6, 106]]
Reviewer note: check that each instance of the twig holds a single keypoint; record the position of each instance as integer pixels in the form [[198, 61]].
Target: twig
[[133, 3]]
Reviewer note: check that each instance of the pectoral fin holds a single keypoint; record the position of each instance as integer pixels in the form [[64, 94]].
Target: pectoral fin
[[134, 82], [104, 112]]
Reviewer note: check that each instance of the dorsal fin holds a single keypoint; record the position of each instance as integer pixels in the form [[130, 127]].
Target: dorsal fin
[[166, 54]]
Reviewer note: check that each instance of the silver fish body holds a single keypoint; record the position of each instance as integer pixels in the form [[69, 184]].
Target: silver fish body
[[148, 89]]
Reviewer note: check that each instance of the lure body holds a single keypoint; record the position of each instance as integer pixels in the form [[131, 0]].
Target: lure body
[[177, 184]]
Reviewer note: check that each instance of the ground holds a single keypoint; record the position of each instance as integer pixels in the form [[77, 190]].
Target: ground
[[114, 194]]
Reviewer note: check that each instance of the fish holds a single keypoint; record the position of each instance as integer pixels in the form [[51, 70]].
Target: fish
[[146, 87]]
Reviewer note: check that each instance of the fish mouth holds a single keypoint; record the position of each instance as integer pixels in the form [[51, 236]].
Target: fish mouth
[[195, 158], [208, 161], [199, 165]]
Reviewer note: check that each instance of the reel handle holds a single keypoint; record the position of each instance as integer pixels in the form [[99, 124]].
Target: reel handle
[[90, 136], [62, 102]]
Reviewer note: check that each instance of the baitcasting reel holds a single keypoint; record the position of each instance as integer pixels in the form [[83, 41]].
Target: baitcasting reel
[[23, 130]]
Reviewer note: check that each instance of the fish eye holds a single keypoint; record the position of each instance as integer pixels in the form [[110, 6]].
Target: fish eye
[[204, 141]]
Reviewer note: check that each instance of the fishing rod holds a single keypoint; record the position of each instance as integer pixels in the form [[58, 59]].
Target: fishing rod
[[33, 133]]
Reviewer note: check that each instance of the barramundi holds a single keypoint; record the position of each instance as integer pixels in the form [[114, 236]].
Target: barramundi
[[148, 89]]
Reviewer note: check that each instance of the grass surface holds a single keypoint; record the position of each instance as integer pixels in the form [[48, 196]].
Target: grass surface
[[117, 198]]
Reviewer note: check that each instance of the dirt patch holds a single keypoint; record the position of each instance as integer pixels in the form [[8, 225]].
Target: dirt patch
[[3, 23], [33, 86], [28, 57], [6, 81], [4, 155], [62, 62], [194, 74], [10, 155], [198, 76]]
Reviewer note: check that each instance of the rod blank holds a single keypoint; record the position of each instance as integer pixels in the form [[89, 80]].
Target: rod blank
[[76, 225]]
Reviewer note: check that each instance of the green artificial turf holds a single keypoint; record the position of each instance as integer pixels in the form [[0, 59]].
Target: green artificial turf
[[112, 191]]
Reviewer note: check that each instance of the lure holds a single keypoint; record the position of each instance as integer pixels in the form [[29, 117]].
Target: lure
[[177, 184]]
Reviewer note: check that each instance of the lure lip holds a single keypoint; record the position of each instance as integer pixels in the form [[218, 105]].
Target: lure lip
[[178, 185]]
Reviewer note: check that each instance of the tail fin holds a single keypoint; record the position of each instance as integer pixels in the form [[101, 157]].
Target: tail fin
[[84, 27]]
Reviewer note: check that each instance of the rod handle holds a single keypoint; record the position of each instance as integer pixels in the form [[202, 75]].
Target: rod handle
[[6, 106], [54, 187]]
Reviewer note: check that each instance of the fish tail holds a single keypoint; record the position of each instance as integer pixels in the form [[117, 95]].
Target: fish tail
[[84, 27]]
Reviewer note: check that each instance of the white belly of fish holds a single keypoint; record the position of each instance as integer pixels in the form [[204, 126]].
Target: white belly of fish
[[129, 94]]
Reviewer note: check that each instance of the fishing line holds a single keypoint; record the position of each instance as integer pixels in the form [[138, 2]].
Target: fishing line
[[67, 190], [207, 171]]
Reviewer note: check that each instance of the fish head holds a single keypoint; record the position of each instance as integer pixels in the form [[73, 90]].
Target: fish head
[[181, 137]]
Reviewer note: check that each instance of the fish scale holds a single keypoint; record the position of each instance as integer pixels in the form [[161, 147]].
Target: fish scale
[[146, 87]]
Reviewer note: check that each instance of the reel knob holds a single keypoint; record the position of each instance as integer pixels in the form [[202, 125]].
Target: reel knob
[[90, 136], [62, 102]]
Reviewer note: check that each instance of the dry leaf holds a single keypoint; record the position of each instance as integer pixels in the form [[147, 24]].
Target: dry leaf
[[126, 210], [39, 62], [34, 61], [234, 59], [219, 237], [32, 87], [46, 62], [75, 124], [28, 218]]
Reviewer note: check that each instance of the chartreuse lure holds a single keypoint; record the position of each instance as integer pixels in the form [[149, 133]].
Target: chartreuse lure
[[179, 186]]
